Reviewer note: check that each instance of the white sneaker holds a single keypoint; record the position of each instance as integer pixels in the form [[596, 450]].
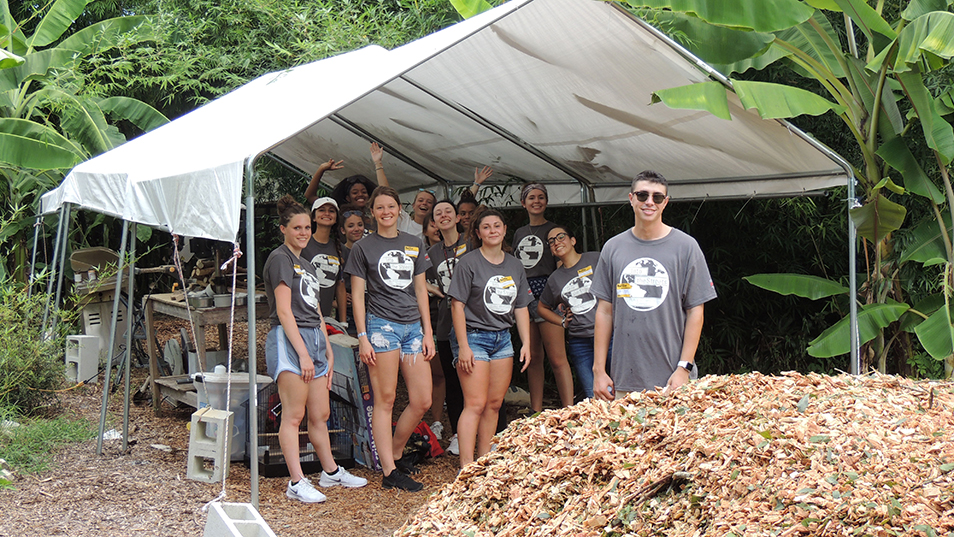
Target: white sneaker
[[304, 492], [343, 478], [438, 429], [453, 448]]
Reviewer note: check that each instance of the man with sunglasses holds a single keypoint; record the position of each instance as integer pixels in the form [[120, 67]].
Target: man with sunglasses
[[651, 283]]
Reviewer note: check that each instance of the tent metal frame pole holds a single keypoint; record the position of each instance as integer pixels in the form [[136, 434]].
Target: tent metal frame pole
[[36, 239], [252, 333], [61, 270], [111, 344], [500, 131], [363, 133], [52, 267], [129, 330]]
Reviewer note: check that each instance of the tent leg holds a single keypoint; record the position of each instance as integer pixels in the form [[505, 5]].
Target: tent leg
[[130, 327], [252, 347], [112, 338], [855, 358], [36, 239], [60, 239], [61, 271]]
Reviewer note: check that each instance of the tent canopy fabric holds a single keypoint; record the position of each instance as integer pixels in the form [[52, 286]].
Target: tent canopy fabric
[[555, 91]]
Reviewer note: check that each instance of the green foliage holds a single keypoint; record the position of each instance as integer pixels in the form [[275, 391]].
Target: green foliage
[[31, 363], [27, 448]]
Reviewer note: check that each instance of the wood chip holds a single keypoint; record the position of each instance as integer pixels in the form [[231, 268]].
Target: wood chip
[[725, 455]]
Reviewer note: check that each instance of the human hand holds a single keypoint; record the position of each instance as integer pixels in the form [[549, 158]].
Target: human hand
[[307, 368], [331, 370], [366, 351], [428, 348], [330, 165], [481, 175], [525, 357], [679, 377], [377, 153], [603, 387], [465, 359]]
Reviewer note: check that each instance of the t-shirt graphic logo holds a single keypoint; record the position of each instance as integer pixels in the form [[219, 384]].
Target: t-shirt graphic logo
[[327, 268], [648, 282], [577, 294], [309, 289], [530, 251], [444, 272], [499, 294], [396, 269]]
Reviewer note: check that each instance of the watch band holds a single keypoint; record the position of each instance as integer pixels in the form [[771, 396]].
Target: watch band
[[688, 366]]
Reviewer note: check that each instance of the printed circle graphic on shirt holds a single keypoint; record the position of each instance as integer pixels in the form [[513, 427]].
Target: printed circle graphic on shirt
[[444, 272], [396, 269], [530, 251], [643, 284], [577, 294], [499, 294], [327, 268], [310, 287]]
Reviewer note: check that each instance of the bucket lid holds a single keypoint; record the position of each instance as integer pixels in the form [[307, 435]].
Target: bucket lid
[[237, 378]]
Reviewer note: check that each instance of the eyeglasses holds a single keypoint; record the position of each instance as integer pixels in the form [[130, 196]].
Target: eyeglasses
[[558, 237], [429, 191], [348, 214], [658, 197]]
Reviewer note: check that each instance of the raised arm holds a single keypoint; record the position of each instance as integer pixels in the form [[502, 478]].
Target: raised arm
[[480, 175], [311, 193], [377, 156]]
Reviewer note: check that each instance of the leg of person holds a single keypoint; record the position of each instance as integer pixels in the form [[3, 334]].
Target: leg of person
[[474, 385], [535, 369], [437, 396], [553, 341], [581, 352], [452, 392], [499, 380], [384, 385], [319, 410], [502, 420], [293, 393], [417, 376]]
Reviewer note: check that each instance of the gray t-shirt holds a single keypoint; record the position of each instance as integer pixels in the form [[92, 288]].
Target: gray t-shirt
[[571, 287], [531, 249], [324, 257], [490, 293], [389, 265], [650, 284], [283, 266], [444, 259]]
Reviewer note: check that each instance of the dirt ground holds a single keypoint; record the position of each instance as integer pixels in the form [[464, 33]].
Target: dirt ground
[[145, 491]]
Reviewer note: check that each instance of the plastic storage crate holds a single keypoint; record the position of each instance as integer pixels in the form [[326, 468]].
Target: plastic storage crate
[[271, 462]]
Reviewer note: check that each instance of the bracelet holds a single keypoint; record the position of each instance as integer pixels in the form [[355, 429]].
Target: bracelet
[[365, 334], [476, 184], [376, 168]]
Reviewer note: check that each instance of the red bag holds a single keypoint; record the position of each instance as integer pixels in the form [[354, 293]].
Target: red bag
[[424, 430]]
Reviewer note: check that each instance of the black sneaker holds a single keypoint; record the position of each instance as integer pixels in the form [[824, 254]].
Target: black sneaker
[[398, 480], [406, 467]]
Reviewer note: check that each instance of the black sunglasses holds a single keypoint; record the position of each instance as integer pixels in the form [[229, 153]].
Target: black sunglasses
[[658, 197], [558, 237]]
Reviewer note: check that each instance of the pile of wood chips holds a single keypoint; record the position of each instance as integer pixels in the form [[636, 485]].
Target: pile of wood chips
[[725, 455]]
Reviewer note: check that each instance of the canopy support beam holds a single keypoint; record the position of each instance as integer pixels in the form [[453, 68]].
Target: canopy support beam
[[36, 240], [130, 327], [111, 344], [59, 260], [252, 333]]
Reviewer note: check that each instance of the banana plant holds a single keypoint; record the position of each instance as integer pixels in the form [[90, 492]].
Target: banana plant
[[867, 90], [51, 117]]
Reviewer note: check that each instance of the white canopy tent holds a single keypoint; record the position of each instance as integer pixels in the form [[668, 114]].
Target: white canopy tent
[[556, 91]]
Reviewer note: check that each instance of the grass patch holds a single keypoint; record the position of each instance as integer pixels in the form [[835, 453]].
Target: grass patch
[[28, 448]]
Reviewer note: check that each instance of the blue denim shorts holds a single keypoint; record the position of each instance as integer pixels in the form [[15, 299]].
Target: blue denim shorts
[[386, 336], [486, 345], [281, 356]]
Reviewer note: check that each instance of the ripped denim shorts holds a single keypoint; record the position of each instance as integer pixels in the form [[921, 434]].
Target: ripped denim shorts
[[386, 336]]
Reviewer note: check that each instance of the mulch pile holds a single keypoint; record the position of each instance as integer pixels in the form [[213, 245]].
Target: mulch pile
[[728, 455]]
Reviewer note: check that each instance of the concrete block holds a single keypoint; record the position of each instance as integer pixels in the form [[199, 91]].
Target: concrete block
[[203, 445], [82, 358], [235, 520]]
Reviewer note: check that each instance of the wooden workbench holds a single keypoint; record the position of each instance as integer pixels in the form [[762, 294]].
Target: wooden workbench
[[201, 317]]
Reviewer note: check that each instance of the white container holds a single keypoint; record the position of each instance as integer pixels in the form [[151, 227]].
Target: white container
[[211, 391], [213, 358]]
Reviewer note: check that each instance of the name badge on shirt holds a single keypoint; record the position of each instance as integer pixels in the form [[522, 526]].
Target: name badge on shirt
[[460, 250], [587, 271], [333, 260], [412, 251], [298, 269], [506, 282], [622, 289]]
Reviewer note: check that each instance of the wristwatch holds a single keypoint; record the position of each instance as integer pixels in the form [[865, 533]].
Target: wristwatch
[[688, 366]]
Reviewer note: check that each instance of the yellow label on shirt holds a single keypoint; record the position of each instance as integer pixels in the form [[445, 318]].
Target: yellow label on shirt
[[587, 271], [506, 282], [622, 290], [460, 250], [411, 251], [333, 260]]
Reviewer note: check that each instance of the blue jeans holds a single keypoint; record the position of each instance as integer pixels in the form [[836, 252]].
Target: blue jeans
[[386, 336], [486, 345], [581, 354]]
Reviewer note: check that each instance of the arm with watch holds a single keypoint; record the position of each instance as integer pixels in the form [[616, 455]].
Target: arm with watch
[[690, 341]]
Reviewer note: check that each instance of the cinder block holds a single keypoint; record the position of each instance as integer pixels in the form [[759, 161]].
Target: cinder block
[[235, 519], [203, 445], [82, 358]]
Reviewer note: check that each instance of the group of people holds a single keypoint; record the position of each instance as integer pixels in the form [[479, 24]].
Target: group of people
[[442, 282]]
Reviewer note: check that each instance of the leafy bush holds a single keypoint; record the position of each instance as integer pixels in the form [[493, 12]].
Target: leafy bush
[[31, 363]]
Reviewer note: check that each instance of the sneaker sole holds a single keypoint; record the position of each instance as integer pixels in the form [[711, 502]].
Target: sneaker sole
[[337, 484], [294, 496], [390, 487]]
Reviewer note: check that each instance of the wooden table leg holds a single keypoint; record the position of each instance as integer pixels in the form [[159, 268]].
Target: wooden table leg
[[223, 338], [153, 359], [200, 347]]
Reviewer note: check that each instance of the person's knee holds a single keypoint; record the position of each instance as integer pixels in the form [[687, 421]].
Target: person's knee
[[420, 403], [384, 398], [292, 416], [317, 419]]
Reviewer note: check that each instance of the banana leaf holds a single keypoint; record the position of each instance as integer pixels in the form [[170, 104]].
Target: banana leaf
[[936, 334], [28, 144], [469, 8], [135, 111], [56, 21], [937, 131], [803, 285], [709, 96], [878, 217], [897, 154], [757, 15], [836, 340], [926, 245], [9, 59], [715, 44]]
